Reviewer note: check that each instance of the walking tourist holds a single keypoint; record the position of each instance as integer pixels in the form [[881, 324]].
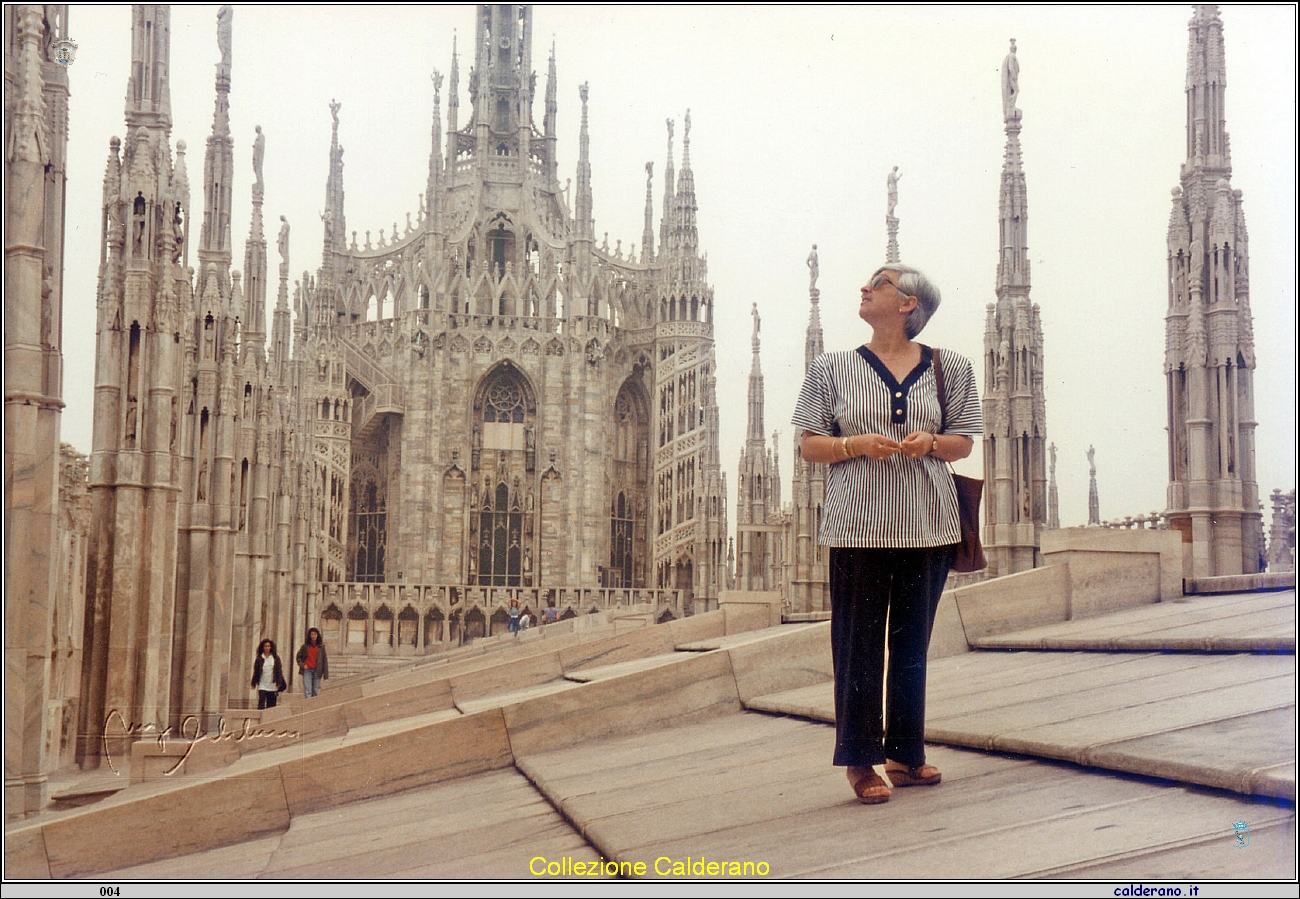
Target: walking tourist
[[268, 675], [313, 666]]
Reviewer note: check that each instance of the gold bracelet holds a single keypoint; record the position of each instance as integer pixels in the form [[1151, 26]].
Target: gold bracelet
[[844, 445], [934, 444]]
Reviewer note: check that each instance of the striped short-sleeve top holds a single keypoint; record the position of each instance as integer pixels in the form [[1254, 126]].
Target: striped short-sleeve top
[[899, 501]]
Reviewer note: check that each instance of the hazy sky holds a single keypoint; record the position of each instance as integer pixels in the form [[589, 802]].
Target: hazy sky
[[797, 116]]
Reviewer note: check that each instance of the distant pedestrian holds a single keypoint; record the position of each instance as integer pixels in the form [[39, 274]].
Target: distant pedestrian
[[268, 675], [525, 621], [513, 625], [552, 614], [313, 666]]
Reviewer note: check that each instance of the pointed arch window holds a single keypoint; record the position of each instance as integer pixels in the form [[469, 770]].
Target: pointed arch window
[[630, 486], [500, 536], [370, 525], [620, 542], [506, 408]]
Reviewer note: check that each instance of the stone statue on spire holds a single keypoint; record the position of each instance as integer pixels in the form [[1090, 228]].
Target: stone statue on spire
[[891, 190], [282, 243], [1010, 84], [813, 270], [259, 151], [891, 220], [224, 17]]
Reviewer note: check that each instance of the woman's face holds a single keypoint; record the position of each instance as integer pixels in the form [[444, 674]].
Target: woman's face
[[313, 637], [881, 297], [265, 649]]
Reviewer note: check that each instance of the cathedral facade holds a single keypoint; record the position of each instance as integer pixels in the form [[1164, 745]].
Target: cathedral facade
[[484, 406]]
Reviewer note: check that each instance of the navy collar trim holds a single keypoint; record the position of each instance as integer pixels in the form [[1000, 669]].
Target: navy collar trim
[[927, 359]]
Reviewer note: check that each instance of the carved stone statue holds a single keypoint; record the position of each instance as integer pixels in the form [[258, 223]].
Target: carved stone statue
[[224, 17], [891, 191], [259, 150], [139, 221], [813, 269], [178, 234], [1010, 84], [1092, 461], [282, 242], [335, 106]]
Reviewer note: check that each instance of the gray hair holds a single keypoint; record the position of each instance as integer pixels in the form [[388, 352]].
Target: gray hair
[[912, 282]]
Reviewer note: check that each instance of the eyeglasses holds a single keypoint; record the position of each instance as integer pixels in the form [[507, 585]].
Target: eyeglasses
[[880, 281]]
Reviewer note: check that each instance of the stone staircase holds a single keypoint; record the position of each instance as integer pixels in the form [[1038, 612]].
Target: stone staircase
[[346, 667]]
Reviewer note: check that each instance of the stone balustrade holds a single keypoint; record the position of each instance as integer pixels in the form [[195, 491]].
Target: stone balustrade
[[414, 619]]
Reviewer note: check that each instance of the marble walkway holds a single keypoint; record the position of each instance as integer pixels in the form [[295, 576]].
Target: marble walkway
[[1090, 760]]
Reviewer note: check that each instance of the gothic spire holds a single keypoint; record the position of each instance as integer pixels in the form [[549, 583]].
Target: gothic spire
[[583, 204], [1015, 436], [148, 97], [254, 313], [453, 109], [666, 222], [453, 93], [812, 345], [434, 188], [648, 233], [501, 78], [548, 119], [755, 430], [688, 236], [281, 321], [1208, 331], [1207, 79], [219, 166], [335, 223], [1013, 205]]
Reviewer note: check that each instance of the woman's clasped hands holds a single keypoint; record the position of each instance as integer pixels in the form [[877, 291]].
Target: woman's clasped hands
[[915, 445]]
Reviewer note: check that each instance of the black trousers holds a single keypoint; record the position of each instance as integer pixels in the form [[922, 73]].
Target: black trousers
[[871, 590], [266, 699]]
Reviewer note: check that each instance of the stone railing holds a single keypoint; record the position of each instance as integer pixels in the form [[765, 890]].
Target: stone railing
[[683, 329], [384, 399], [416, 619], [423, 598], [1156, 521]]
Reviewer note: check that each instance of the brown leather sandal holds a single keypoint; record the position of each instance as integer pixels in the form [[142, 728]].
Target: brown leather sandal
[[871, 788], [918, 776]]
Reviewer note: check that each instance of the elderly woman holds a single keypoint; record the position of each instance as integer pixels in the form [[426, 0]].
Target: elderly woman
[[890, 519]]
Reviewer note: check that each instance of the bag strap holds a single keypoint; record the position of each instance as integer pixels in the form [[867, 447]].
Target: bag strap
[[943, 393]]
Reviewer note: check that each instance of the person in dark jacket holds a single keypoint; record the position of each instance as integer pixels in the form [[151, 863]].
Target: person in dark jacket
[[268, 675], [312, 664]]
